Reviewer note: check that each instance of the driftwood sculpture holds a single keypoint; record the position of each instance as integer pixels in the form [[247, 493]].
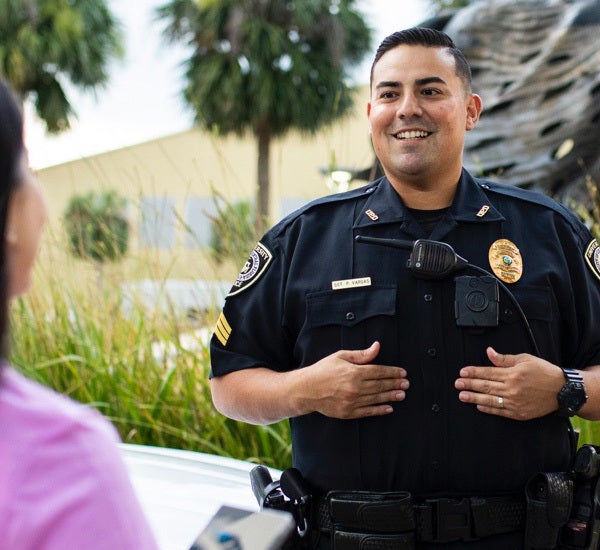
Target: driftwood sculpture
[[536, 64]]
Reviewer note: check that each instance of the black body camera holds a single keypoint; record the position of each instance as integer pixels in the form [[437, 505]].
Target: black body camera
[[476, 301]]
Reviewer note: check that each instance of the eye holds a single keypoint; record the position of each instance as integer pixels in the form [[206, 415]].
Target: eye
[[388, 94], [430, 91]]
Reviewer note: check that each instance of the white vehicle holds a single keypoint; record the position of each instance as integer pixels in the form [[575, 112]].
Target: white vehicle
[[181, 491]]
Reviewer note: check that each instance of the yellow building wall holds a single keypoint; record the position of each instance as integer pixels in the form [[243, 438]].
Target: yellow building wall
[[194, 163]]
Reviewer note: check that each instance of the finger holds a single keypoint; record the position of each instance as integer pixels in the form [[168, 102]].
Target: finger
[[380, 398], [501, 359], [494, 410], [378, 374], [493, 403], [376, 388], [375, 410], [480, 385], [486, 374], [361, 356]]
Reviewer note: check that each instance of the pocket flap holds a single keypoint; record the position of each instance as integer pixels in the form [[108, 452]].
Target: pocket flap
[[349, 307]]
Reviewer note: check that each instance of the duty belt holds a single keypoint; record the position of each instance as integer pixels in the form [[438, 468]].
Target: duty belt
[[439, 520]]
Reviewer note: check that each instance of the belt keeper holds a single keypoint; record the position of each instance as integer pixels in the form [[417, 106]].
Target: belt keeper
[[371, 512], [343, 540]]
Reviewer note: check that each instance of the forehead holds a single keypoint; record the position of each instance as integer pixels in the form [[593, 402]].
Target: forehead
[[407, 63]]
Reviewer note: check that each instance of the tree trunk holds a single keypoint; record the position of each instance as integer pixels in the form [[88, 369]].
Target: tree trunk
[[263, 191]]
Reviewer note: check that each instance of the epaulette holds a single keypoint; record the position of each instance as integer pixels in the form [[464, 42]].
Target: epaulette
[[335, 198], [530, 196]]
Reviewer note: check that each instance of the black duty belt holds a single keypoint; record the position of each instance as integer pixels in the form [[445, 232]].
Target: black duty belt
[[439, 520]]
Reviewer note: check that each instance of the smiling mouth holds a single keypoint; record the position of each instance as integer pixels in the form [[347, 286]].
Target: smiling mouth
[[411, 134]]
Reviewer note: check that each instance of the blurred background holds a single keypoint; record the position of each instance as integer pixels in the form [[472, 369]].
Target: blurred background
[[146, 128]]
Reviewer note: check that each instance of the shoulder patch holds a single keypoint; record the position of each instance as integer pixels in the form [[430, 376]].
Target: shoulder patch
[[253, 269], [592, 257]]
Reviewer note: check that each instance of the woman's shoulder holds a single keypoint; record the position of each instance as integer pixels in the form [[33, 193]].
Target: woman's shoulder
[[38, 412], [63, 474]]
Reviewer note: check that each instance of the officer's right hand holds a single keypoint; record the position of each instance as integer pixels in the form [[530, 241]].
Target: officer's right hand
[[346, 384]]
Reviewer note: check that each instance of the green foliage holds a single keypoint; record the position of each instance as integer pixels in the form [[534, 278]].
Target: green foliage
[[267, 67], [277, 63], [97, 226], [138, 369], [589, 209], [444, 5], [44, 43], [233, 231], [589, 430]]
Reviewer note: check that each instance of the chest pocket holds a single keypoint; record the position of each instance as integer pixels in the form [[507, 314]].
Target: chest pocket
[[536, 303], [351, 319], [541, 310]]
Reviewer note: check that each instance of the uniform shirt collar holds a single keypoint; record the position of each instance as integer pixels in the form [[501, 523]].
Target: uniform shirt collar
[[384, 205]]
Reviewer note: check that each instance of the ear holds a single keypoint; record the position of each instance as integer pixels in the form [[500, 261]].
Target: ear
[[369, 116], [474, 106]]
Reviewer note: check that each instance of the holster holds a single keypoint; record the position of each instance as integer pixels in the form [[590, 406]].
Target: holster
[[549, 500], [371, 521]]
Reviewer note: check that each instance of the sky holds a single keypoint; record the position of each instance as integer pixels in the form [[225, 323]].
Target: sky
[[142, 100]]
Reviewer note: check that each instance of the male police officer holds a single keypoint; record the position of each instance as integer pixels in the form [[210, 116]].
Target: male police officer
[[408, 370]]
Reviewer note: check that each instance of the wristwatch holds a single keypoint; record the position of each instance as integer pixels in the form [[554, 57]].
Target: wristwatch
[[572, 395]]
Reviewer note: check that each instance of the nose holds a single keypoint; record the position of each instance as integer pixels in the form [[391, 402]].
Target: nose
[[409, 106]]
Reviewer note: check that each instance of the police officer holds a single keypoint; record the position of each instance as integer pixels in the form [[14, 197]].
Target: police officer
[[447, 376]]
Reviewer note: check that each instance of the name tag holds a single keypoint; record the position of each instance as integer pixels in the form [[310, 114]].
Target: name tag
[[350, 283]]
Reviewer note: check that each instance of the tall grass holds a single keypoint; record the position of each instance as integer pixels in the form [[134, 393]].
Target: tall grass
[[136, 365]]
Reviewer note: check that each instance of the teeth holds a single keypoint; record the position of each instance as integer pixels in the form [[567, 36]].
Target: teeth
[[412, 134]]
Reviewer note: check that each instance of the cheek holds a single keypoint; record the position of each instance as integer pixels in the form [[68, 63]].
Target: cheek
[[379, 117], [22, 254]]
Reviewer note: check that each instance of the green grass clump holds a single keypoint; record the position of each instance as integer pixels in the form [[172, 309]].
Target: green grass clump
[[145, 369], [72, 332]]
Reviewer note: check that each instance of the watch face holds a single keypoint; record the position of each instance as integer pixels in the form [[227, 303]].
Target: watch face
[[572, 397]]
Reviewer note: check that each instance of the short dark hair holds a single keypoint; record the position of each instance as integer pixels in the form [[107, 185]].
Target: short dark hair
[[431, 38]]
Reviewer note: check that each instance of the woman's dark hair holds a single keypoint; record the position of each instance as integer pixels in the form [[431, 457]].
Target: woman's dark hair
[[431, 38], [11, 151]]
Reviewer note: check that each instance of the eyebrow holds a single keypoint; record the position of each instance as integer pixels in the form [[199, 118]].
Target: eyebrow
[[419, 82]]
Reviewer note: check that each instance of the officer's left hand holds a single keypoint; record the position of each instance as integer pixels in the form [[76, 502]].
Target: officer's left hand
[[518, 386]]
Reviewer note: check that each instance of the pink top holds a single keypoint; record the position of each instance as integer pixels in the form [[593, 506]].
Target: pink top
[[63, 483]]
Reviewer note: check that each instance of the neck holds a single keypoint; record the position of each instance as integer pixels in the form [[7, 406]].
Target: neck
[[421, 197]]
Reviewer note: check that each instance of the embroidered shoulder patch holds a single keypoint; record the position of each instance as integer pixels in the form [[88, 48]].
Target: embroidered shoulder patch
[[253, 269], [592, 257]]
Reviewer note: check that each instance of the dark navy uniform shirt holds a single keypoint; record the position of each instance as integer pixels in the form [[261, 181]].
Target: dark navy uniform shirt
[[309, 290]]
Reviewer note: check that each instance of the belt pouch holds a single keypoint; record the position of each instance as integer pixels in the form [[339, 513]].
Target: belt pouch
[[549, 500], [371, 521]]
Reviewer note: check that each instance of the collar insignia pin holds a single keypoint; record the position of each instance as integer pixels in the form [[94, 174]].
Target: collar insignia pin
[[372, 215], [483, 211]]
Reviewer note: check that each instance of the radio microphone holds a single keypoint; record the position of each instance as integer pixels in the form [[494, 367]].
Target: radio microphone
[[428, 259]]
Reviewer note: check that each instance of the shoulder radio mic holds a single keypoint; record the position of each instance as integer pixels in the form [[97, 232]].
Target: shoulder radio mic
[[428, 259]]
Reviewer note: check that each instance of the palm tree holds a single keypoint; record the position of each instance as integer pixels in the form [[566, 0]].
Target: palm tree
[[267, 66], [46, 43], [442, 5]]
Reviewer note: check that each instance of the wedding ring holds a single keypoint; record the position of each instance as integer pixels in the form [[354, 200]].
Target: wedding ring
[[501, 402]]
